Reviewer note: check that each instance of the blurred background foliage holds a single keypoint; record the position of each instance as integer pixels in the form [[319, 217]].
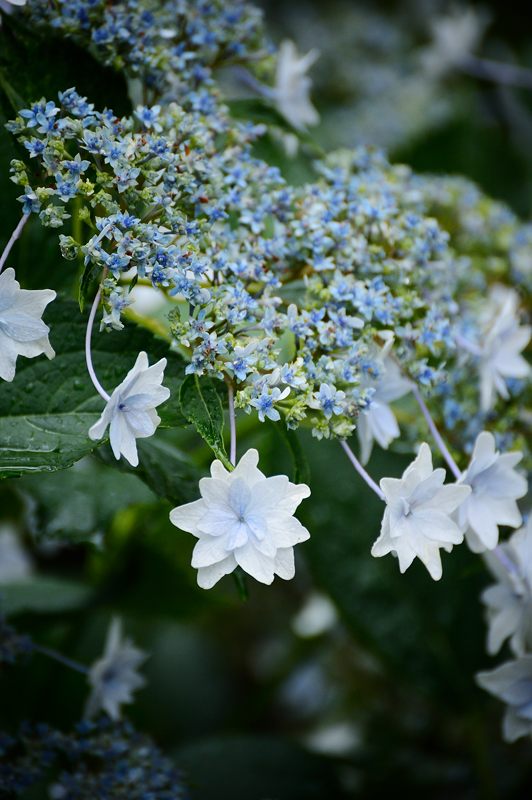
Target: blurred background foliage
[[351, 680]]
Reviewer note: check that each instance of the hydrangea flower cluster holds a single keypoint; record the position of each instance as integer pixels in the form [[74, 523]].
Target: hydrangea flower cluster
[[95, 759], [171, 48], [221, 232], [13, 645]]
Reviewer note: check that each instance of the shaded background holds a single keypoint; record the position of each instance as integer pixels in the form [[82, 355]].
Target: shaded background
[[351, 680]]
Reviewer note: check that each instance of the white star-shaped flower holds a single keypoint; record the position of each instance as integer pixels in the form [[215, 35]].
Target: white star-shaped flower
[[455, 36], [243, 519], [114, 677], [417, 520], [292, 86], [378, 422], [509, 601], [22, 331], [512, 683], [503, 340], [130, 411], [495, 488]]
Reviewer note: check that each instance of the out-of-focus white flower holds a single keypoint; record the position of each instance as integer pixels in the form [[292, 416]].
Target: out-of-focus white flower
[[6, 5], [317, 616], [509, 601], [15, 563], [512, 683], [130, 412], [22, 331], [454, 38], [503, 340], [495, 488], [114, 677], [378, 422], [243, 519], [147, 300], [417, 520], [292, 86], [334, 739]]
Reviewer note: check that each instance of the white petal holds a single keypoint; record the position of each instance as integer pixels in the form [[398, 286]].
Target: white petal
[[449, 497], [247, 468], [436, 526], [287, 531], [267, 493], [255, 564], [383, 424], [187, 516], [208, 576], [215, 492], [284, 564], [208, 550]]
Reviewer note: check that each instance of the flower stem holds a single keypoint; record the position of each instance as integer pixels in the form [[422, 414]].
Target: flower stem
[[436, 434], [67, 662], [14, 236], [232, 424], [360, 469], [88, 355], [497, 71], [506, 562]]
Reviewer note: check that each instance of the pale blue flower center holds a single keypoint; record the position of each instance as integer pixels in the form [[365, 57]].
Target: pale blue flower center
[[247, 523]]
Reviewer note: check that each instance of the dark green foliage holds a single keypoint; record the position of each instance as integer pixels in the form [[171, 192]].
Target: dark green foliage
[[45, 414], [201, 405]]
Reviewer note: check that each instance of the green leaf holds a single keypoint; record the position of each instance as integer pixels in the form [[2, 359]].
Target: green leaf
[[201, 405], [163, 467], [41, 63], [46, 412], [44, 595], [301, 465], [258, 110], [87, 279], [256, 767], [79, 503]]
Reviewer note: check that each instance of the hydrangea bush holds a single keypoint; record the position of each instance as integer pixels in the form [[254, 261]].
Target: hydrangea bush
[[366, 304]]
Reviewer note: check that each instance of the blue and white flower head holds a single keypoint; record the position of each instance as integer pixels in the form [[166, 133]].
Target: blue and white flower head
[[22, 331], [512, 683], [418, 520], [130, 411], [243, 519], [114, 676], [509, 601], [292, 86], [503, 340], [495, 487]]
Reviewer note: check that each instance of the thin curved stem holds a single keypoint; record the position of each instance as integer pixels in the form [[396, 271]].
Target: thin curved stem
[[503, 559], [232, 424], [14, 236], [67, 662], [360, 469], [497, 72], [436, 434], [88, 355]]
